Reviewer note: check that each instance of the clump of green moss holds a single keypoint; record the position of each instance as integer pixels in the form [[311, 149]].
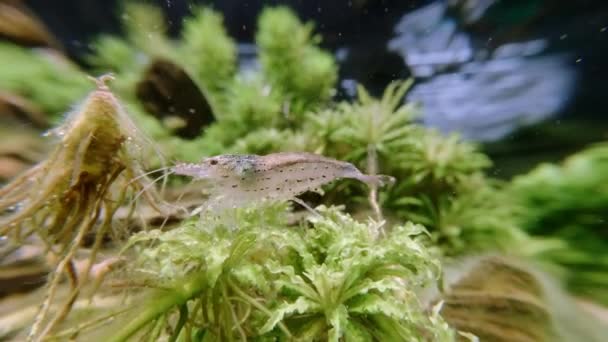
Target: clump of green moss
[[289, 48], [570, 201], [327, 279], [296, 77]]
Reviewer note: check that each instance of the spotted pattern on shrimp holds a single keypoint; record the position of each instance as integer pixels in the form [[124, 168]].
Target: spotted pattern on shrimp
[[241, 179]]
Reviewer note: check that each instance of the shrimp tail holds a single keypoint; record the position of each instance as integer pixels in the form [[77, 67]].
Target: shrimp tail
[[377, 180]]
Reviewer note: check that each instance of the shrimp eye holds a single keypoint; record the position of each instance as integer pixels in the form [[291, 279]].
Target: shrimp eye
[[213, 161]]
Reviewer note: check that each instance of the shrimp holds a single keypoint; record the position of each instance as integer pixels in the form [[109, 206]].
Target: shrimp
[[239, 180]]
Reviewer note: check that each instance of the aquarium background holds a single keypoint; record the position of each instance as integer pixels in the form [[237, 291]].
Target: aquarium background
[[524, 76]]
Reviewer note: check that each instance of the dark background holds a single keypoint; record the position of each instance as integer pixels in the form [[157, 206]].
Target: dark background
[[365, 26]]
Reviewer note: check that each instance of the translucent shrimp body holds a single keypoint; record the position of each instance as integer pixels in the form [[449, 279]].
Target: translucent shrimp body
[[238, 180]]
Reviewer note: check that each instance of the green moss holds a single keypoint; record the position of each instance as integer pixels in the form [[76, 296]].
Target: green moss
[[570, 201], [255, 276]]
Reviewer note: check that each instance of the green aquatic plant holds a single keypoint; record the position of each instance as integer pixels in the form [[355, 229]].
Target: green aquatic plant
[[145, 28], [292, 62], [112, 54], [459, 228], [441, 181], [43, 77], [296, 75], [250, 107], [254, 276], [570, 201], [346, 284], [208, 51], [272, 97], [348, 131]]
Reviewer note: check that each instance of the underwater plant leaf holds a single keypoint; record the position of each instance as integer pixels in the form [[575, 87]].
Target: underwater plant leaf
[[266, 141], [349, 267], [357, 332], [376, 123], [292, 282], [337, 319], [252, 104], [393, 95], [251, 275], [374, 304], [301, 305]]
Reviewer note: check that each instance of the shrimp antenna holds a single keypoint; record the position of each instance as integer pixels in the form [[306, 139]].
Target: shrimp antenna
[[163, 162], [179, 198], [147, 186], [132, 180]]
